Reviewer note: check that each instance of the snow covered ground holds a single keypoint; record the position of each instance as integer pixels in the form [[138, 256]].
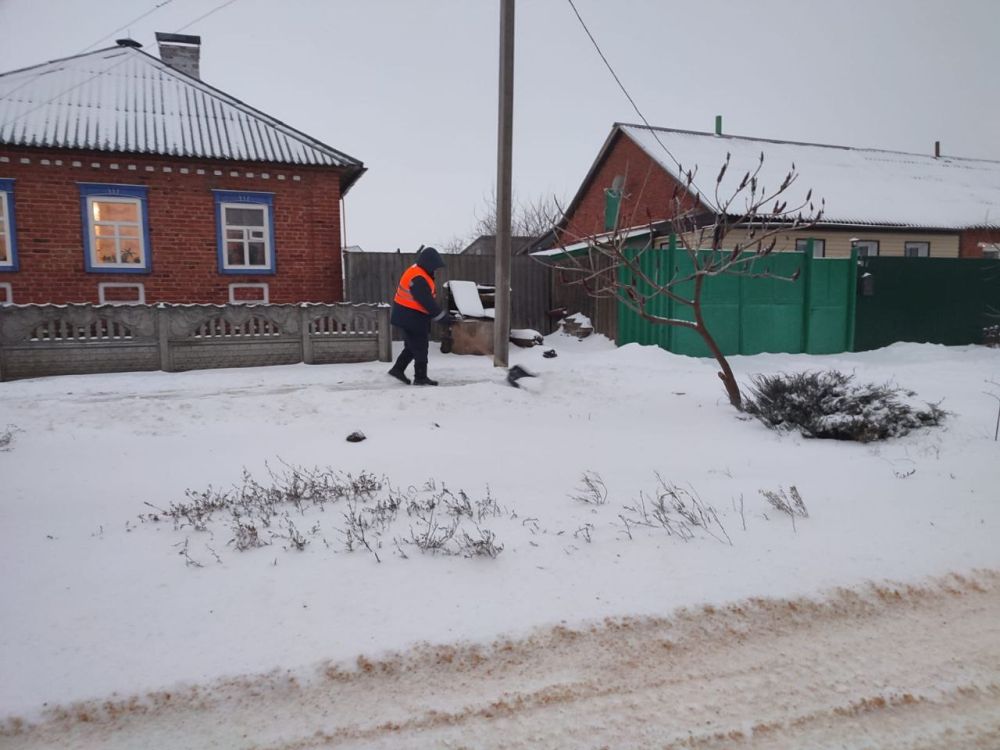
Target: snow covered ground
[[96, 601]]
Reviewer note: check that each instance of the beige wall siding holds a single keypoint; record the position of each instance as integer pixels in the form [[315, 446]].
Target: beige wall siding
[[838, 243]]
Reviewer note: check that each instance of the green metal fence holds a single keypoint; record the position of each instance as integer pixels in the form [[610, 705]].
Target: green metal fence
[[750, 314], [935, 300]]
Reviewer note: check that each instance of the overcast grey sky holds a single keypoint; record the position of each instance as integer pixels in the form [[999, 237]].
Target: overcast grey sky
[[410, 86]]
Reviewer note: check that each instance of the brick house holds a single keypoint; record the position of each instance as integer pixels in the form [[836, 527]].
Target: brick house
[[882, 202], [125, 178]]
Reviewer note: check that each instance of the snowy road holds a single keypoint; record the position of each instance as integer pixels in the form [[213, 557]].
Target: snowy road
[[886, 666]]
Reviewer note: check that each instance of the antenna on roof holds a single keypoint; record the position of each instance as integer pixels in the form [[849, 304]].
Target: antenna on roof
[[937, 149], [718, 124]]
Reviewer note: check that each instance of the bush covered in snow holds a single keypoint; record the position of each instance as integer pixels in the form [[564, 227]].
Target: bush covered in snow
[[831, 405]]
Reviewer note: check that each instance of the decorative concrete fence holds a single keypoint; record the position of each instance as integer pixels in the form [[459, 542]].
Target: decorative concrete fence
[[39, 340]]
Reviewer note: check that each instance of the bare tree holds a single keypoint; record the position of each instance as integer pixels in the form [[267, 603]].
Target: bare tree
[[611, 267], [530, 219], [455, 245]]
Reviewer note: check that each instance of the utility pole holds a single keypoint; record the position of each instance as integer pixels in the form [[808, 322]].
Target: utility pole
[[501, 322]]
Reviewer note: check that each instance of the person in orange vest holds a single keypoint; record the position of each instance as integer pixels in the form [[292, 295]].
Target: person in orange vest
[[413, 309]]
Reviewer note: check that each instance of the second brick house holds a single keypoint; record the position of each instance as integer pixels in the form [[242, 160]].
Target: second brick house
[[885, 203], [125, 178]]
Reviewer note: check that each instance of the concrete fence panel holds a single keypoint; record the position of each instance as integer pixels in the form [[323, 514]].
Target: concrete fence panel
[[40, 340], [76, 339]]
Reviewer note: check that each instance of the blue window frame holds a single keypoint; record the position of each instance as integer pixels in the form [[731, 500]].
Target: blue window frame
[[244, 227], [115, 228], [8, 227]]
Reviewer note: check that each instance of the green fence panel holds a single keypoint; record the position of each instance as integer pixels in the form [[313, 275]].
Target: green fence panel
[[764, 311], [933, 300], [772, 318], [830, 292]]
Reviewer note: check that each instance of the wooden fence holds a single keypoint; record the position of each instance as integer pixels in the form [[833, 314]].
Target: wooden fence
[[372, 277], [39, 340]]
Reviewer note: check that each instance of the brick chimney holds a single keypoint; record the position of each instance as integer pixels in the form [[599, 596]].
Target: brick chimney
[[181, 52]]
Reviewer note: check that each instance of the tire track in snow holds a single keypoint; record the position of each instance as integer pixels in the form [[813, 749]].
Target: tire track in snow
[[898, 667]]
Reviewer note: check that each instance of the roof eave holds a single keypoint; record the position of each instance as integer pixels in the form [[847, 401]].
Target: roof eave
[[351, 175]]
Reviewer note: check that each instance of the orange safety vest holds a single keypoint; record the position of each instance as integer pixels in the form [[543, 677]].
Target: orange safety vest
[[403, 296]]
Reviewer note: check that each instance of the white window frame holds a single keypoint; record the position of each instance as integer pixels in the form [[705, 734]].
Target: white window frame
[[105, 285], [233, 288], [5, 239], [9, 211], [92, 224], [265, 230], [6, 293], [136, 195], [925, 245]]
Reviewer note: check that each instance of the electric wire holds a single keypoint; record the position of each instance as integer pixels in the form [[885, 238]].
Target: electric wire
[[31, 79], [127, 25], [628, 96], [107, 70], [201, 18]]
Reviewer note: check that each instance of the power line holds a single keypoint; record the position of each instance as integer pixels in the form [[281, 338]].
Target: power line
[[127, 25], [107, 70], [216, 9], [628, 96], [32, 78]]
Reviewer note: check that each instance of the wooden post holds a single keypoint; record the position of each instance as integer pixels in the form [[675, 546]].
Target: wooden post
[[501, 326]]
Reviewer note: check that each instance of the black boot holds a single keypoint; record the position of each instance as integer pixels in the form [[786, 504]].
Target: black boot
[[420, 375], [398, 370]]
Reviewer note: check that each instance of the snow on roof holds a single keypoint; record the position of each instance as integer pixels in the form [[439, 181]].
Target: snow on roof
[[123, 100], [621, 234], [860, 185]]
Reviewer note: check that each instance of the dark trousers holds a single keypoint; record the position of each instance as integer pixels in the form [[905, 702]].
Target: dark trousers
[[415, 345]]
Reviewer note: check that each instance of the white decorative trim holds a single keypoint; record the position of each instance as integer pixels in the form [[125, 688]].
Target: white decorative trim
[[7, 297], [104, 285], [117, 166], [263, 287]]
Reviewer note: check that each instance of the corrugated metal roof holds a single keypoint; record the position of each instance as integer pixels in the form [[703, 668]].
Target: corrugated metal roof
[[860, 186], [124, 100]]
